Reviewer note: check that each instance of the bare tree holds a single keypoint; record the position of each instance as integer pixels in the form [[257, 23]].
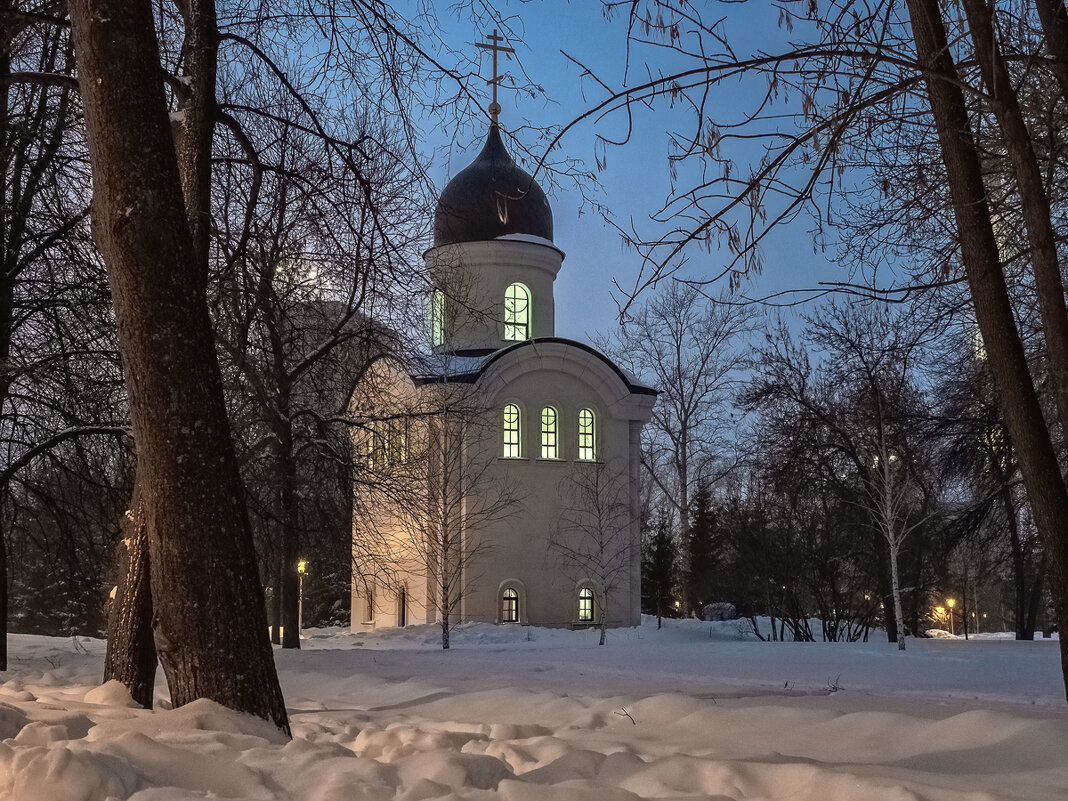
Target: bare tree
[[860, 74], [858, 416], [688, 345], [591, 536], [197, 522], [429, 491]]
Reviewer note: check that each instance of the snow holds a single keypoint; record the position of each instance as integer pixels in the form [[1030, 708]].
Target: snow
[[531, 238], [692, 711]]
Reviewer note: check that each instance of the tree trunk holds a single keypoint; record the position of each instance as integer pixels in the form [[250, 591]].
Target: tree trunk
[[1049, 288], [895, 588], [993, 310], [286, 476], [7, 308], [3, 582], [604, 628], [1019, 564], [884, 585], [1036, 598], [210, 626], [1055, 25], [131, 653], [196, 130]]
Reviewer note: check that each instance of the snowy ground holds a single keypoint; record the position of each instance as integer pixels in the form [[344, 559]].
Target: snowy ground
[[688, 712]]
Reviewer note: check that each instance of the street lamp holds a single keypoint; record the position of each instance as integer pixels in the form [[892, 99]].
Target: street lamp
[[302, 568], [950, 602]]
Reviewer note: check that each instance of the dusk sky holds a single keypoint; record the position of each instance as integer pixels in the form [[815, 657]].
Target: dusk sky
[[635, 181]]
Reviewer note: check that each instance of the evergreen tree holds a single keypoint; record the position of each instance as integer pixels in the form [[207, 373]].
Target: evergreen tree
[[659, 558], [700, 550]]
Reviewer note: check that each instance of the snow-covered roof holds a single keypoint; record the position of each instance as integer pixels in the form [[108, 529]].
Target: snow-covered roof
[[468, 366]]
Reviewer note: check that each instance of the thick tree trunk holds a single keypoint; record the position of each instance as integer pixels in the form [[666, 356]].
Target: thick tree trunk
[[1055, 25], [286, 474], [197, 114], [1019, 564], [210, 626], [1016, 393], [1033, 198], [1036, 598], [276, 604], [3, 583], [7, 308], [131, 653]]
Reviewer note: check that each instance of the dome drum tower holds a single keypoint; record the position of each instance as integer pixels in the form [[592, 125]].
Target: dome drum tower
[[493, 229]]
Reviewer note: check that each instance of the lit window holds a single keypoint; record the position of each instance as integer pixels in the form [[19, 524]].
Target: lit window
[[437, 318], [548, 433], [587, 434], [510, 606], [512, 440], [585, 611], [517, 312], [374, 447]]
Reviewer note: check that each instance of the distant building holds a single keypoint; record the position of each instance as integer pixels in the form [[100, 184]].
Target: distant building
[[523, 447]]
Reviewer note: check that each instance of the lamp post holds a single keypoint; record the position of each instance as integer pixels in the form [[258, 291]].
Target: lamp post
[[302, 568], [950, 602]]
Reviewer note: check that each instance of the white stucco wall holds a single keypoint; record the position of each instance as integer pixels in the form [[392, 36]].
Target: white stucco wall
[[476, 275], [569, 378]]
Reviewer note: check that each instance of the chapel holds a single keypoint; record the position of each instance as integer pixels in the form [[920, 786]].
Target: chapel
[[523, 446]]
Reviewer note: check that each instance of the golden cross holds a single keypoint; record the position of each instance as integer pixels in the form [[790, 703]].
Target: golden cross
[[493, 44]]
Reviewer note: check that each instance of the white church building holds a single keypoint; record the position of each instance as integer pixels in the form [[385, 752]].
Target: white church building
[[522, 447]]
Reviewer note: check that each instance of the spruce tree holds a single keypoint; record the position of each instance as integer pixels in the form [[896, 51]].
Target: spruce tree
[[700, 546], [659, 558]]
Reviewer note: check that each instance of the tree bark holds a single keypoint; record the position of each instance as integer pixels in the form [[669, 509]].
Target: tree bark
[[1055, 25], [1034, 201], [210, 626], [993, 310], [197, 113], [287, 503], [1019, 564], [131, 653]]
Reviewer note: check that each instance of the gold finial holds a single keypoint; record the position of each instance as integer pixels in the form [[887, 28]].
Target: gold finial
[[493, 44]]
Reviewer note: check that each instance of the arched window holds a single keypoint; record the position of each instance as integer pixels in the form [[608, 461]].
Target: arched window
[[548, 433], [587, 435], [437, 318], [585, 606], [517, 313], [509, 606], [512, 440]]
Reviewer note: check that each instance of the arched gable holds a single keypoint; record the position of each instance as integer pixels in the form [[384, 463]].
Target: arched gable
[[619, 396]]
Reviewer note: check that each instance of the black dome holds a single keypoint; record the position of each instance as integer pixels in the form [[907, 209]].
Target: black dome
[[490, 198]]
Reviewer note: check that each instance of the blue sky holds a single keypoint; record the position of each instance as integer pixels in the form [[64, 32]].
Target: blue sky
[[635, 181]]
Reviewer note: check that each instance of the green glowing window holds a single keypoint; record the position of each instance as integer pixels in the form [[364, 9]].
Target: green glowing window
[[517, 313], [587, 436], [548, 433], [512, 440], [585, 610], [437, 318]]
